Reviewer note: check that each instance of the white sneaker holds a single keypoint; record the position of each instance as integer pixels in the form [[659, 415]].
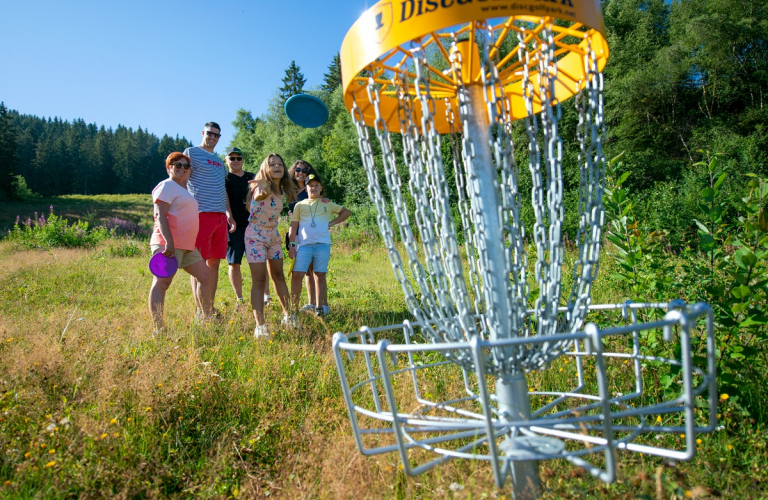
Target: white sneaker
[[260, 331], [309, 307], [323, 311], [290, 321], [267, 300]]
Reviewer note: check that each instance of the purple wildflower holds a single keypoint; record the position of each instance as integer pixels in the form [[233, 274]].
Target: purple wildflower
[[51, 208]]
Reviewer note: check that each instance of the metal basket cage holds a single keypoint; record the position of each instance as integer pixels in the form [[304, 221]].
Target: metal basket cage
[[587, 419]]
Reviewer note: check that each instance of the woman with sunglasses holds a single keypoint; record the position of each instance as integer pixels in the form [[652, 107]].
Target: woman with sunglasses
[[174, 234], [299, 172]]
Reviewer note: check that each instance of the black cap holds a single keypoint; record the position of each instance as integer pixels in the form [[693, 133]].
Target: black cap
[[313, 177], [235, 150]]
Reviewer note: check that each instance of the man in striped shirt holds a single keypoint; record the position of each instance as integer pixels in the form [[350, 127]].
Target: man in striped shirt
[[206, 184]]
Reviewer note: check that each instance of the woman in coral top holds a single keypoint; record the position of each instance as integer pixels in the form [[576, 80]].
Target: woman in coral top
[[174, 234]]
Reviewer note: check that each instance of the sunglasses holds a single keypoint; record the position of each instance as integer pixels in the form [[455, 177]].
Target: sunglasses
[[300, 170], [179, 164], [235, 158], [212, 134]]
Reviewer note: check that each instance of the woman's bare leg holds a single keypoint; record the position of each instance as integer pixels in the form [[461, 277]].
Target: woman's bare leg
[[157, 299], [278, 278], [259, 278]]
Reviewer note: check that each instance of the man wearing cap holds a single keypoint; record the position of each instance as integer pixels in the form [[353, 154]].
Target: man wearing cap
[[207, 185], [237, 191]]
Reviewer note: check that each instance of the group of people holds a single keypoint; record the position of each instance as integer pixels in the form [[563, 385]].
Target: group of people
[[206, 211]]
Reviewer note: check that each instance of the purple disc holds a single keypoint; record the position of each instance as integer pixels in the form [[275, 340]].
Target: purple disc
[[162, 266]]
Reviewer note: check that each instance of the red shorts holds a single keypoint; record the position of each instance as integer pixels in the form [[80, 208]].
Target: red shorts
[[212, 236]]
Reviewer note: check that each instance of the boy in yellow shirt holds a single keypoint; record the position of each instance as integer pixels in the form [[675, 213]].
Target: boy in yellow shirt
[[309, 241]]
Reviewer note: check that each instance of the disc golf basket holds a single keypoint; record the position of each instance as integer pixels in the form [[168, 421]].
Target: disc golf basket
[[499, 365]]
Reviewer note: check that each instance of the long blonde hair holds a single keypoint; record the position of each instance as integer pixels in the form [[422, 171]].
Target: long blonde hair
[[286, 186]]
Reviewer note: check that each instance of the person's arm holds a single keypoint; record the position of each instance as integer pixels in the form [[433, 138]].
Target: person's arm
[[259, 190], [343, 215], [230, 217], [161, 216], [292, 232]]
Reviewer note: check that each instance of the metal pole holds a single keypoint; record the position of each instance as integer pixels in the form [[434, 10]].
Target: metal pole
[[511, 391]]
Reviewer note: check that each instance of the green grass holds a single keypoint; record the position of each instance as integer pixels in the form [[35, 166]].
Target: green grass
[[92, 406]]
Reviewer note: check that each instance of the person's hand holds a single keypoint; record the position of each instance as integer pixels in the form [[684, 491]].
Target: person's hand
[[231, 223], [169, 250], [292, 252]]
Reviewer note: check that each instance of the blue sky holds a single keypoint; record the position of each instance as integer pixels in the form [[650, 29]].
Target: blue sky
[[168, 66]]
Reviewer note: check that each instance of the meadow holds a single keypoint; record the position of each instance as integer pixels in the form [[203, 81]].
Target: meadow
[[92, 405]]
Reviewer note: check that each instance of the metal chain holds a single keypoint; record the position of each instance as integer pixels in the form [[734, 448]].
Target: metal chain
[[590, 134], [463, 188], [450, 305]]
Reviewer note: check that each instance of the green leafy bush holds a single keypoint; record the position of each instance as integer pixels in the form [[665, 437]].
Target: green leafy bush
[[55, 232], [125, 248], [726, 268]]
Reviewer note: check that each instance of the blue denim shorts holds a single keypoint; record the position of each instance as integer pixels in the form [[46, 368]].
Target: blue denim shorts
[[318, 254]]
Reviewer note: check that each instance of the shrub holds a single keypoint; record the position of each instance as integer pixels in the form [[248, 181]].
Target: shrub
[[54, 232], [125, 248], [22, 191], [120, 227]]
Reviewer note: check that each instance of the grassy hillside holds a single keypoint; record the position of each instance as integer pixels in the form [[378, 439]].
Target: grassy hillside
[[130, 207], [92, 406]]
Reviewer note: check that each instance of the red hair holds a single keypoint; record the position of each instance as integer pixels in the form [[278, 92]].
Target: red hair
[[176, 156]]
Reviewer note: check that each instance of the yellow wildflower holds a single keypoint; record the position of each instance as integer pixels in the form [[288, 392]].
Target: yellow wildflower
[[698, 441], [51, 463], [113, 421], [103, 436], [724, 397], [52, 451]]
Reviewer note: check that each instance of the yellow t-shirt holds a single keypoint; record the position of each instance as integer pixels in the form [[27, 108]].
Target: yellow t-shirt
[[313, 217]]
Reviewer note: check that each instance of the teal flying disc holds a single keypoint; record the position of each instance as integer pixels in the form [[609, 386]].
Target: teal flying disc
[[306, 110]]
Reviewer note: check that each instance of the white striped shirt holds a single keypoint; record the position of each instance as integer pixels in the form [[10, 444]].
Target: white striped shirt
[[206, 182]]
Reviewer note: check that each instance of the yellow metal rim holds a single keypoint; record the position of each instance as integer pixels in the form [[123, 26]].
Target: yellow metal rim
[[381, 42]]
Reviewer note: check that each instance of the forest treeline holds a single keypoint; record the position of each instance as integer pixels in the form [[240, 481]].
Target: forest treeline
[[55, 157], [683, 76]]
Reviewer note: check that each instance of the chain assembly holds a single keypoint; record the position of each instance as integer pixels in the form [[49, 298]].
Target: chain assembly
[[450, 287]]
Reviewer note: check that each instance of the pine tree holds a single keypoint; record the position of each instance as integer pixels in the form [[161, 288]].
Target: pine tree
[[332, 77], [8, 158], [293, 83]]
